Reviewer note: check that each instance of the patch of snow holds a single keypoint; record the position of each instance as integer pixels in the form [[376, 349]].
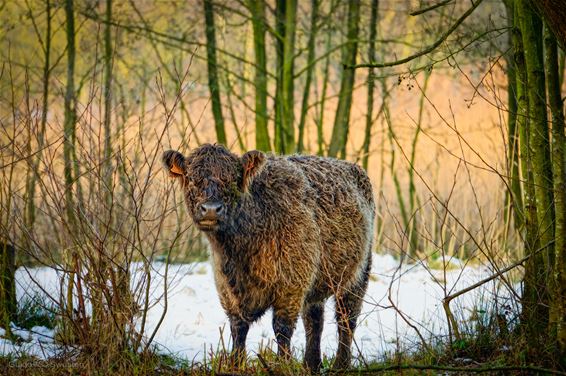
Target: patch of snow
[[194, 321]]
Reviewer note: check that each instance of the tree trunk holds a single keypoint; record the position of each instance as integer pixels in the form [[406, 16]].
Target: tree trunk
[[554, 13], [531, 307], [288, 97], [107, 152], [413, 198], [342, 119], [371, 83], [286, 14], [558, 278], [69, 157], [229, 90], [310, 57], [30, 205], [539, 149], [514, 195], [8, 304], [257, 8], [69, 114], [320, 120], [278, 137], [213, 81]]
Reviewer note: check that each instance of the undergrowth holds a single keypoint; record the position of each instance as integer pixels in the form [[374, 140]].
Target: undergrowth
[[490, 342], [487, 351]]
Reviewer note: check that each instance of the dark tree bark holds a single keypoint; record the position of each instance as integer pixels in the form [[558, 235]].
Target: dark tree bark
[[536, 301], [8, 303], [69, 112], [532, 310], [558, 277], [325, 76], [342, 119], [213, 81], [285, 14], [310, 57], [278, 137], [70, 169], [30, 205], [257, 9], [554, 13], [107, 160], [514, 197], [371, 83]]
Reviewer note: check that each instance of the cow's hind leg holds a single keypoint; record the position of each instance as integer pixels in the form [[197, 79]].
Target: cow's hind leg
[[348, 307], [313, 320]]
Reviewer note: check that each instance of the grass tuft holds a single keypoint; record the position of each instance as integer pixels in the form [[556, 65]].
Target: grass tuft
[[35, 311]]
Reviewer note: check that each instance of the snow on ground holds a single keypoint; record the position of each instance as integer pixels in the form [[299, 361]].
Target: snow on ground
[[194, 319]]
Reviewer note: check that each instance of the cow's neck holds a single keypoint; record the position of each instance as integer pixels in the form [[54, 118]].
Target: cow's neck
[[230, 246]]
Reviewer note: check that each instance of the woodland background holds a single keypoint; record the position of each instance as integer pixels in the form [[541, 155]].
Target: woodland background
[[454, 107]]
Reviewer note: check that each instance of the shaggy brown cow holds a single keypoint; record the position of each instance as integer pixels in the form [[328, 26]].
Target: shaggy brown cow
[[287, 232]]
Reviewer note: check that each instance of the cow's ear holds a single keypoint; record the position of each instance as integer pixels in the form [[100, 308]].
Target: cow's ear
[[252, 163], [174, 162]]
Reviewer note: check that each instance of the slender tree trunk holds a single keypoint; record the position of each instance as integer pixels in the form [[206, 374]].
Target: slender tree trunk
[[30, 210], [413, 199], [278, 135], [257, 8], [530, 302], [288, 97], [107, 158], [310, 57], [514, 195], [371, 83], [342, 119], [8, 303], [558, 277], [213, 81], [68, 150], [70, 115], [539, 150], [531, 29], [248, 56], [7, 252], [230, 89], [285, 14], [320, 120], [106, 189]]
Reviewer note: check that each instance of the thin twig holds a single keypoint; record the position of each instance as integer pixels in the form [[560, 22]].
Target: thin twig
[[430, 7]]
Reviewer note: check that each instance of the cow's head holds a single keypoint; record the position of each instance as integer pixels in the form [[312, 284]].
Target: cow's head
[[214, 180]]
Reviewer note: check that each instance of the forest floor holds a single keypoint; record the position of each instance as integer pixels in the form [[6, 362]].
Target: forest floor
[[195, 326]]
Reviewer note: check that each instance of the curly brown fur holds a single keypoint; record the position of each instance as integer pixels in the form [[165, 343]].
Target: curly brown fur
[[286, 233]]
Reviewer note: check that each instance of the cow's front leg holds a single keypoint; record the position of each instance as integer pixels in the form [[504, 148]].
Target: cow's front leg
[[284, 322], [239, 330]]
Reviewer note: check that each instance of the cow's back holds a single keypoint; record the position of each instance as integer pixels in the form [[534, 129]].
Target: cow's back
[[344, 210]]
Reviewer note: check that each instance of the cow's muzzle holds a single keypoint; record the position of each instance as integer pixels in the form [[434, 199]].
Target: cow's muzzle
[[210, 213]]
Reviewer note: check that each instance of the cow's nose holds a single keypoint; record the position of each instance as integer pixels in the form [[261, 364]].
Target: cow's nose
[[211, 209]]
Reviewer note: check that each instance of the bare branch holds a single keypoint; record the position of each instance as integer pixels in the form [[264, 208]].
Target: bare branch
[[427, 50]]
